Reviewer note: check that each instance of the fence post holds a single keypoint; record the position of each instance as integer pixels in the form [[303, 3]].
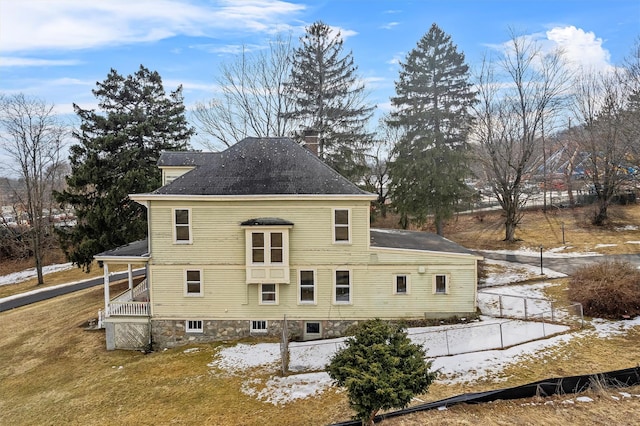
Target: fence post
[[501, 338], [551, 303], [446, 338], [581, 316], [284, 346]]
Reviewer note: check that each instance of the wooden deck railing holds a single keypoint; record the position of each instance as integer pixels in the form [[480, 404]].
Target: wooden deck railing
[[124, 304], [129, 309]]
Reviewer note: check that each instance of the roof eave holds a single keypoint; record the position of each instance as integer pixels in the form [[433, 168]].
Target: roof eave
[[122, 259], [446, 253], [141, 198]]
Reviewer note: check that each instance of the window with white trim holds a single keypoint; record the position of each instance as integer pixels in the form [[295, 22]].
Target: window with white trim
[[342, 287], [182, 226], [268, 294], [193, 326], [193, 282], [307, 289], [258, 326], [400, 284], [441, 284], [341, 225], [267, 248]]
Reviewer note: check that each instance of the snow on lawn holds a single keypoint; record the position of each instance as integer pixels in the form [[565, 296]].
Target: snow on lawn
[[308, 359], [462, 368], [508, 273], [550, 253], [18, 277]]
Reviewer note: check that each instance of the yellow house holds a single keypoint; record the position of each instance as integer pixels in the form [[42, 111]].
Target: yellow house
[[265, 234]]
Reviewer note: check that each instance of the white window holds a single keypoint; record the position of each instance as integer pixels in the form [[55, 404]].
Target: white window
[[182, 226], [193, 282], [268, 294], [400, 284], [307, 289], [267, 248], [441, 284], [193, 326], [341, 227], [342, 287], [259, 326]]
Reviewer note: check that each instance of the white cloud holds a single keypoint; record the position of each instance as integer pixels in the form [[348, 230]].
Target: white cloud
[[233, 49], [9, 61], [390, 25], [581, 48], [29, 25]]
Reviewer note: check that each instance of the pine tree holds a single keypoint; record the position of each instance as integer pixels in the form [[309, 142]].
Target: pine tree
[[116, 155], [329, 99], [433, 98], [381, 369]]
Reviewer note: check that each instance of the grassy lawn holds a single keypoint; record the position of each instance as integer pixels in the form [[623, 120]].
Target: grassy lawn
[[53, 371]]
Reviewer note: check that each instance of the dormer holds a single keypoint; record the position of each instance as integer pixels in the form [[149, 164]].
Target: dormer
[[175, 164]]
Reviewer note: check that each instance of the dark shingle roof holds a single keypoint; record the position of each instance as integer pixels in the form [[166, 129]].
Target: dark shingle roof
[[262, 166], [415, 240], [138, 248], [267, 221], [185, 158]]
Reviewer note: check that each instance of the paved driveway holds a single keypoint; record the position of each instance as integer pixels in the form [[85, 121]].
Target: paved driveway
[[566, 265]]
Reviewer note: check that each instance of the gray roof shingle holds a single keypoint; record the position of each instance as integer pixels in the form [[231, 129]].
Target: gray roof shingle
[[185, 158], [138, 248], [262, 166], [415, 240]]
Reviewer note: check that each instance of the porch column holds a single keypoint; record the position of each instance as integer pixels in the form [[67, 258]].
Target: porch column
[[106, 290], [130, 277]]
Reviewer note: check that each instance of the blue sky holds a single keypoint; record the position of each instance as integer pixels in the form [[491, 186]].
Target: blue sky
[[58, 49]]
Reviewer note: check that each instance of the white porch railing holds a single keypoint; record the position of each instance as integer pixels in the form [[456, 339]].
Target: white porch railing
[[131, 309], [124, 304], [139, 289]]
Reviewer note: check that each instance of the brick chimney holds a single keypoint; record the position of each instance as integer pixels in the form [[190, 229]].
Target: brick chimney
[[310, 138]]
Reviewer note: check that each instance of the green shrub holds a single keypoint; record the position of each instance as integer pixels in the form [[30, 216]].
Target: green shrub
[[381, 368], [607, 290]]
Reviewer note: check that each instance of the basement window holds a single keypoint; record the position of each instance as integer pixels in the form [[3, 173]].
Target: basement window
[[193, 326], [259, 326]]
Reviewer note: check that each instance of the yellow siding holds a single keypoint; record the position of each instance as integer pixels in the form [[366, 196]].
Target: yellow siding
[[227, 297], [218, 249], [170, 173]]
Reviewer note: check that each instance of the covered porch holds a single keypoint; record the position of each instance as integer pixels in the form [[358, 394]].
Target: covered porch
[[125, 317]]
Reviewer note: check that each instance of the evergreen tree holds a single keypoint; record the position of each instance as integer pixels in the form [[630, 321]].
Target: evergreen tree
[[116, 155], [433, 98], [329, 99], [381, 369]]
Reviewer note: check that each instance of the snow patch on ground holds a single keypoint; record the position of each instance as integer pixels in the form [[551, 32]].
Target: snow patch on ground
[[309, 359], [508, 273], [627, 228], [551, 253], [18, 277]]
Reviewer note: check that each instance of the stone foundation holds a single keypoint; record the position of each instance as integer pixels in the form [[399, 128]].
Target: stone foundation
[[172, 333]]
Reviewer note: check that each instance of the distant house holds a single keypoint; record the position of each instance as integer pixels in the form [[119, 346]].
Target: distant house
[[264, 234]]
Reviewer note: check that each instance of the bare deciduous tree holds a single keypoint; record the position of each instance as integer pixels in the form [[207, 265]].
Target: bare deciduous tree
[[378, 159], [605, 135], [32, 137], [252, 101], [519, 95]]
